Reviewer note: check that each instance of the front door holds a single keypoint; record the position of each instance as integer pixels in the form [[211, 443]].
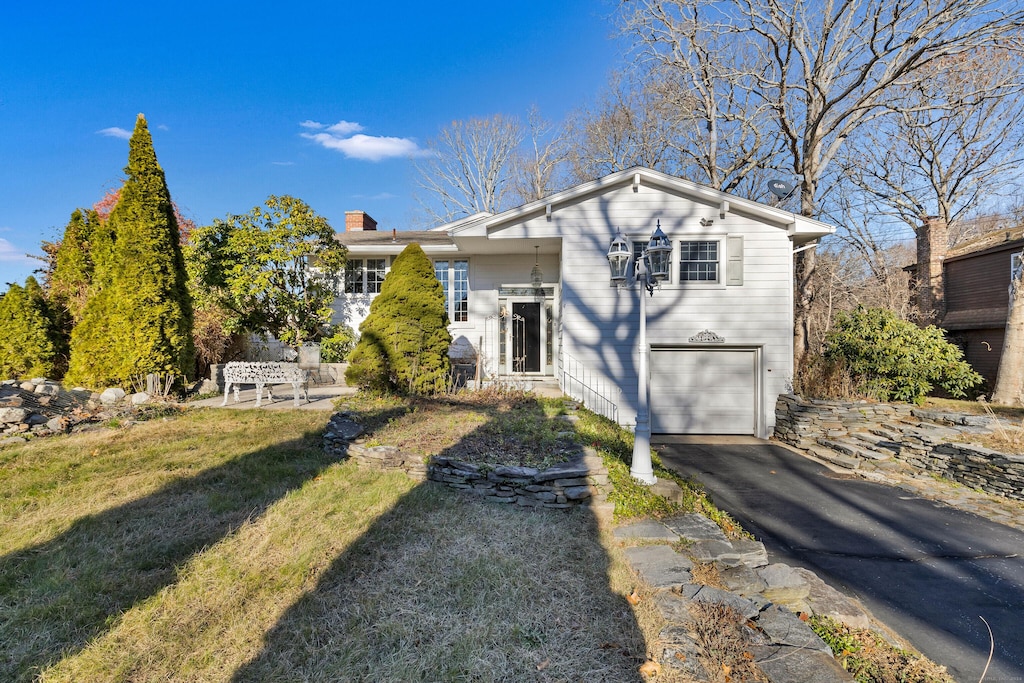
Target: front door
[[526, 337]]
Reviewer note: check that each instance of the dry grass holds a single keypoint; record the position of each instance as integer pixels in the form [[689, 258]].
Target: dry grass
[[707, 574], [725, 639], [223, 546], [871, 659], [974, 408], [488, 427], [822, 378]]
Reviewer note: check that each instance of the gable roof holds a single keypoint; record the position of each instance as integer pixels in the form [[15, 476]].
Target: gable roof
[[800, 229], [995, 240]]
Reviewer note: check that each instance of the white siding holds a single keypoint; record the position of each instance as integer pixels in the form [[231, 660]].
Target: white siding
[[600, 323], [487, 273]]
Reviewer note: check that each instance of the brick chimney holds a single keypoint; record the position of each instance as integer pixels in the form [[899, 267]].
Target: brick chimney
[[932, 242], [356, 221]]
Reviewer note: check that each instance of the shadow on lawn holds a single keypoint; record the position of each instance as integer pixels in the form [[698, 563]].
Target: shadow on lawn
[[445, 586], [57, 596]]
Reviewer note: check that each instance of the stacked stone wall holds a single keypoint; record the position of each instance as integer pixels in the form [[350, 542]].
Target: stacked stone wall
[[562, 486], [862, 435], [558, 487]]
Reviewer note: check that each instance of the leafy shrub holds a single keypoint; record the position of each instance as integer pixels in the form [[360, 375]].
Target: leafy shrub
[[335, 348], [894, 360]]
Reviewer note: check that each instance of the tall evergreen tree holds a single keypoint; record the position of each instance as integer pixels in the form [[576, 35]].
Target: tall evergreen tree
[[403, 343], [27, 344], [138, 318], [73, 267]]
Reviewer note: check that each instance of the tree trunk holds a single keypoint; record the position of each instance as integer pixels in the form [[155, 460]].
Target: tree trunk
[[803, 299], [1010, 381], [804, 265]]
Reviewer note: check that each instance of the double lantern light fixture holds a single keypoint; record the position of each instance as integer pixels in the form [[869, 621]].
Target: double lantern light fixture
[[651, 268]]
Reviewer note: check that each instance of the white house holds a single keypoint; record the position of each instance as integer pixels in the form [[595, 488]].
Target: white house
[[529, 296]]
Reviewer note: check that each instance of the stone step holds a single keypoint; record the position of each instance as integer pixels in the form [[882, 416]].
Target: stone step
[[851, 447], [886, 447], [834, 457]]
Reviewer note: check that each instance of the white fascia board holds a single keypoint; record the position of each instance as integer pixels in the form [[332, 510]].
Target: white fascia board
[[805, 228], [397, 248], [802, 230], [465, 226]]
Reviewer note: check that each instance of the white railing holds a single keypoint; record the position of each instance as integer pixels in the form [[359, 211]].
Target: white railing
[[596, 393]]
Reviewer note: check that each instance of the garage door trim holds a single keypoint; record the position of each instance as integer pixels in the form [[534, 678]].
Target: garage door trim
[[756, 349]]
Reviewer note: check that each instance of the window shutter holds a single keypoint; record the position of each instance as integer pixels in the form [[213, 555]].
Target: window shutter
[[734, 262]]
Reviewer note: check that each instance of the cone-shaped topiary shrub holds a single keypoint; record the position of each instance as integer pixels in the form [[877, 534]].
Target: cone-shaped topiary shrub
[[403, 343], [138, 318]]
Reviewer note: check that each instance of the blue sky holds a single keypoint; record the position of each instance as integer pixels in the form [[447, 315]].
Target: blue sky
[[323, 101]]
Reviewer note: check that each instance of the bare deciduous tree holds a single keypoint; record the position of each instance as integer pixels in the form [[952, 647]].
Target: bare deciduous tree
[[536, 170], [630, 125], [952, 139], [469, 167], [824, 69]]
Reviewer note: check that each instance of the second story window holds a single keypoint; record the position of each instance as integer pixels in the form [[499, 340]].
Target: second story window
[[698, 261]]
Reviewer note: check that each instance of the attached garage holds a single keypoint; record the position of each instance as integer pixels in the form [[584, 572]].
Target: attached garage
[[704, 391]]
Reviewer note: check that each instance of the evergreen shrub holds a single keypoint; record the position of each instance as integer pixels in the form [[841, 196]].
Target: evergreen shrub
[[138, 318], [403, 343], [28, 347]]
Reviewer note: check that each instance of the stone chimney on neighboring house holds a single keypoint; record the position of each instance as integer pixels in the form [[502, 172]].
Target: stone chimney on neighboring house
[[356, 221], [932, 242]]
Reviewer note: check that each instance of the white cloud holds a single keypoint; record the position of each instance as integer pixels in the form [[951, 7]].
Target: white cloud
[[12, 254], [375, 197], [163, 127], [282, 163], [344, 128], [315, 125], [364, 147], [115, 132]]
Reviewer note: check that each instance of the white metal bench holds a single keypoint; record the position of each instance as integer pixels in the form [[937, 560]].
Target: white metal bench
[[263, 375]]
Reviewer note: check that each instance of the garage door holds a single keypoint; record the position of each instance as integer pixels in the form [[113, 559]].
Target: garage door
[[703, 391]]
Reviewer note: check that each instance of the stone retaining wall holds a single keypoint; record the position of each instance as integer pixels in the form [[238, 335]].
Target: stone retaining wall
[[862, 435], [41, 407], [559, 487]]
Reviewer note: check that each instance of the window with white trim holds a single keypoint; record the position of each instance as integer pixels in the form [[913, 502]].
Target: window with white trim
[[454, 277], [698, 261], [364, 276]]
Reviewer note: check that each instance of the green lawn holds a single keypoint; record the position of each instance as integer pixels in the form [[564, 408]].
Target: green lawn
[[223, 545]]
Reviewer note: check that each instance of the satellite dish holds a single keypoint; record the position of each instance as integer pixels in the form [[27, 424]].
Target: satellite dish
[[781, 188]]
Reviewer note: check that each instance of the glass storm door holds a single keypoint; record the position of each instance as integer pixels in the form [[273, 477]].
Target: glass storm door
[[526, 341]]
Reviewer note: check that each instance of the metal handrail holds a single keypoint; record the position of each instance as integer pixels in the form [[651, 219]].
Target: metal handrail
[[593, 391]]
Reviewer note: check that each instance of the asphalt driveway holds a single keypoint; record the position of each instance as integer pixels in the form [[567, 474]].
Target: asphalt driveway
[[927, 570]]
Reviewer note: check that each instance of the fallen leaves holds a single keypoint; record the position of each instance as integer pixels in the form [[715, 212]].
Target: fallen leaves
[[650, 668]]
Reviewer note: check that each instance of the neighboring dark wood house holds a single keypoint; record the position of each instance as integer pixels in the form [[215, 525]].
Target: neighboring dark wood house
[[976, 278]]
